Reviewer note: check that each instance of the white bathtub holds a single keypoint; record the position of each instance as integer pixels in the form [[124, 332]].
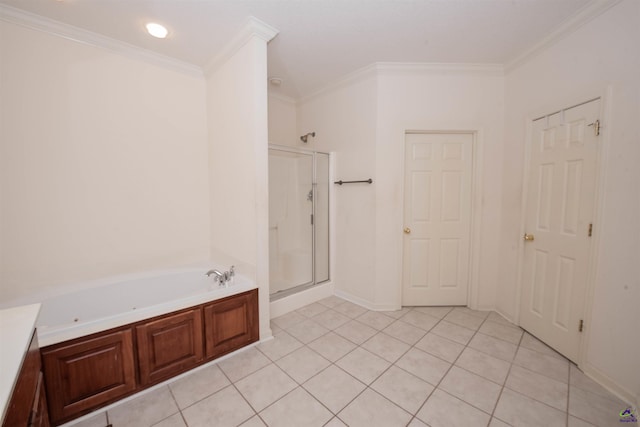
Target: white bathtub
[[121, 301]]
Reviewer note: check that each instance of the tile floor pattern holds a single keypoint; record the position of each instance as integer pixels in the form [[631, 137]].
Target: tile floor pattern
[[334, 363]]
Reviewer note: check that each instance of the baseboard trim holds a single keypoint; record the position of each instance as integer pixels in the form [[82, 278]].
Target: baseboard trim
[[365, 303], [607, 382]]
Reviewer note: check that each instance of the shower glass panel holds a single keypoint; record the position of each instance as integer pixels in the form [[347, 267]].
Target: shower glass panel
[[298, 220]]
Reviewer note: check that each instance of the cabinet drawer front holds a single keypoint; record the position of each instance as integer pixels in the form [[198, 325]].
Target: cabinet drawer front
[[231, 324], [169, 346], [88, 374]]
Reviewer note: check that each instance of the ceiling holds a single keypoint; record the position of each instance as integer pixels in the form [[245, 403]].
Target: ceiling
[[321, 40]]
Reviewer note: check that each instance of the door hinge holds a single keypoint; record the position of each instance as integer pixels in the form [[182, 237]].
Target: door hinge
[[311, 219], [581, 326], [596, 127], [590, 230]]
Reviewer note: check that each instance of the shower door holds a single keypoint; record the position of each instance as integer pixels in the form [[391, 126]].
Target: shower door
[[298, 220]]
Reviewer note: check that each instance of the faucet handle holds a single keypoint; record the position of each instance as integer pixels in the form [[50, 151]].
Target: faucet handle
[[232, 271]]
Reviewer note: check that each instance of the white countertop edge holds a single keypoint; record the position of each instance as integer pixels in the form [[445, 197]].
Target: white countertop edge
[[16, 328], [49, 336]]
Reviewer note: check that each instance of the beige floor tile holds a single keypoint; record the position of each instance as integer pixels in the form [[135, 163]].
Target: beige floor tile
[[594, 408], [578, 379], [281, 345], [420, 320], [396, 314], [350, 309], [331, 319], [493, 346], [532, 343], [484, 365], [372, 410], [416, 423], [552, 367], [334, 388], [440, 347], [198, 385], [423, 365], [363, 365], [577, 422], [390, 349], [476, 313], [332, 346], [96, 420], [244, 363], [405, 390], [224, 408], [539, 387], [405, 332], [287, 320], [518, 410], [312, 309], [265, 386], [335, 422], [497, 318], [502, 332], [307, 331], [453, 332], [174, 420], [296, 409], [302, 364], [464, 319], [375, 319], [444, 410], [331, 301], [497, 423], [438, 312], [254, 421], [355, 332], [473, 389], [145, 410]]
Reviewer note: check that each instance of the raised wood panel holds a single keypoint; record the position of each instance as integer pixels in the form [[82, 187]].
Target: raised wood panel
[[169, 346], [88, 373], [231, 323], [28, 397]]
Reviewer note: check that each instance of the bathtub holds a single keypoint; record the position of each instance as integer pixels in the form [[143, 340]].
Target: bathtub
[[116, 302]]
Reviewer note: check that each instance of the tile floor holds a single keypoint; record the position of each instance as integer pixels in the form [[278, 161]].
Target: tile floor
[[334, 363]]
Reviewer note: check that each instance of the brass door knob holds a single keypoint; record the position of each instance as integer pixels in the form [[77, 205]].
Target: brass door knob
[[528, 237], [407, 230]]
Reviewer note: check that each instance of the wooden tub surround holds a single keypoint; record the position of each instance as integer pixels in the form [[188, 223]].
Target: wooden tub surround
[[84, 374]]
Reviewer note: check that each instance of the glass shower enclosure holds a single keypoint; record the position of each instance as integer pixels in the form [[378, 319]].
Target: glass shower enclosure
[[298, 220]]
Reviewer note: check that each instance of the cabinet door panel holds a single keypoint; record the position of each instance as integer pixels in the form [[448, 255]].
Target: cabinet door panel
[[169, 346], [88, 374], [231, 323]]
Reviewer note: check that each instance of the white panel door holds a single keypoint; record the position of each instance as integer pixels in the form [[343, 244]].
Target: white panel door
[[437, 217], [559, 212]]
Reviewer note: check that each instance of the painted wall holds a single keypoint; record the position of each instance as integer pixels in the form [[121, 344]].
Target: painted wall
[[283, 120], [103, 165], [344, 122], [599, 56], [438, 99], [238, 159], [364, 121]]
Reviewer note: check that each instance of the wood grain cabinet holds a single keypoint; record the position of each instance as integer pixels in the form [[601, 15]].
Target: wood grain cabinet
[[28, 403], [231, 323], [169, 346], [87, 373]]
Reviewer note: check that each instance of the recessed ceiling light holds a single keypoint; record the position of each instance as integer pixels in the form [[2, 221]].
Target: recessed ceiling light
[[157, 30]]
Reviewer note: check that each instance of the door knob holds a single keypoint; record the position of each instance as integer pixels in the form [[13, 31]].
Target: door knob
[[407, 230], [528, 237]]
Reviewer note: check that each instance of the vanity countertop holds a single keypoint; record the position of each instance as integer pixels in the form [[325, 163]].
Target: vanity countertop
[[16, 329]]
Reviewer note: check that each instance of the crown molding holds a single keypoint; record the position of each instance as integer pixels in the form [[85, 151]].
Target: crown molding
[[591, 11], [404, 68], [282, 98], [79, 35], [418, 68], [253, 27]]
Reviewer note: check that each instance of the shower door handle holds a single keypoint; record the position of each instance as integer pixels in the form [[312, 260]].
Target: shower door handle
[[311, 219]]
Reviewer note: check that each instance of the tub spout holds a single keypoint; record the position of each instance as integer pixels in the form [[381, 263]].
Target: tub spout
[[219, 276]]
